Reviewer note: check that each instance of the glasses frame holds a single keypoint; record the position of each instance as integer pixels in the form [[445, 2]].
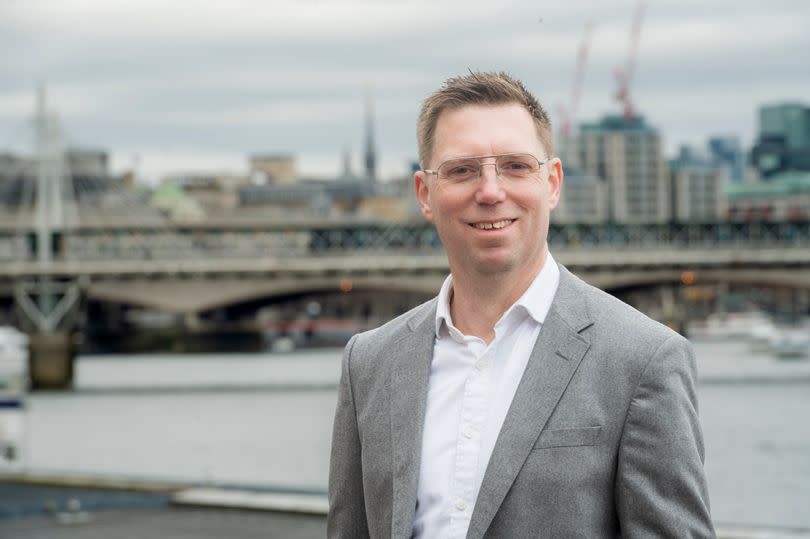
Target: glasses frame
[[540, 163]]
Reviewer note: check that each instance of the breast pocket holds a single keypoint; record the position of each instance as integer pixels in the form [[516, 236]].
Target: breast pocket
[[570, 437]]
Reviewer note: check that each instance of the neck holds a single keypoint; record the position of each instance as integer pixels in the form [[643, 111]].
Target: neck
[[478, 301]]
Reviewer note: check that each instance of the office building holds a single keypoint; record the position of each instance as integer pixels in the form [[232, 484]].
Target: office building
[[627, 155], [726, 152], [583, 200], [782, 197], [783, 142], [697, 188]]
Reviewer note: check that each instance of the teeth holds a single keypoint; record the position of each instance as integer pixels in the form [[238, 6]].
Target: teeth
[[496, 225]]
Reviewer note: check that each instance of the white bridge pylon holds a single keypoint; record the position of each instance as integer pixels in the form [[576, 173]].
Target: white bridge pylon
[[44, 300]]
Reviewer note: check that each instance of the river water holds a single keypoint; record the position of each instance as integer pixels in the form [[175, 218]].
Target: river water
[[265, 420]]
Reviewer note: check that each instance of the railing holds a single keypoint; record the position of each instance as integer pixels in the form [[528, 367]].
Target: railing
[[207, 243]]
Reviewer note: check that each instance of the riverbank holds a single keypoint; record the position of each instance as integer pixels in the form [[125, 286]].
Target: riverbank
[[85, 507]]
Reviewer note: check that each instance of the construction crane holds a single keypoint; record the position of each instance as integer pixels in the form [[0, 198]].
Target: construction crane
[[568, 112], [624, 76]]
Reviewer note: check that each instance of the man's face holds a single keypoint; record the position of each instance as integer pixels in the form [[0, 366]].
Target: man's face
[[463, 213]]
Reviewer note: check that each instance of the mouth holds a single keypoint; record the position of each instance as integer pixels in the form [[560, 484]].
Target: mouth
[[492, 225]]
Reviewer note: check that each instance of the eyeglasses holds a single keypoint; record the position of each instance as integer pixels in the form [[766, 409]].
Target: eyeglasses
[[509, 166]]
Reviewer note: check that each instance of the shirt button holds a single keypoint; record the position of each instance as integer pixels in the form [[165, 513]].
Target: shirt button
[[461, 505], [479, 365], [468, 432]]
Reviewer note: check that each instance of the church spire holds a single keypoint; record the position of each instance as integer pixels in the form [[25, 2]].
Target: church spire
[[371, 152], [347, 163]]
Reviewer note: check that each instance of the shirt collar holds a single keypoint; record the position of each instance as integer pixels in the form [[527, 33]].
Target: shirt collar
[[536, 300]]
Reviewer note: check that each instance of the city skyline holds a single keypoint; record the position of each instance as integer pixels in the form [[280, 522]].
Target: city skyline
[[196, 86]]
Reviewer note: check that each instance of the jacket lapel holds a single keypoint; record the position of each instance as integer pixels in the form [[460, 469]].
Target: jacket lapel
[[556, 355], [409, 381]]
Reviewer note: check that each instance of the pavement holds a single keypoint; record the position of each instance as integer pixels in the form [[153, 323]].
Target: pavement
[[93, 508], [169, 523], [68, 510]]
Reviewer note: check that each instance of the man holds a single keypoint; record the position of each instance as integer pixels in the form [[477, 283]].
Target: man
[[521, 402]]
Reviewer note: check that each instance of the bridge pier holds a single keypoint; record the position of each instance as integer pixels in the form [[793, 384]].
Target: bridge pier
[[51, 359]]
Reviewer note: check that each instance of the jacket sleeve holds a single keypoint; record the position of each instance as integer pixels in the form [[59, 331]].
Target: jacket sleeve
[[661, 487], [347, 513]]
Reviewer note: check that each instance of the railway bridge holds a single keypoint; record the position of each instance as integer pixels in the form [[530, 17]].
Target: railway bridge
[[218, 274]]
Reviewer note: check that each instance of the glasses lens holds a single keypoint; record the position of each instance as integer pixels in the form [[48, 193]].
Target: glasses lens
[[459, 170], [518, 165]]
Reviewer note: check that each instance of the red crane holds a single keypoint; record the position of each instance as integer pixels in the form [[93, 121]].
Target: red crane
[[624, 76], [568, 113]]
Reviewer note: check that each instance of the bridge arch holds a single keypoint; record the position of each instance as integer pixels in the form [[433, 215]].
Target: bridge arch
[[200, 295]]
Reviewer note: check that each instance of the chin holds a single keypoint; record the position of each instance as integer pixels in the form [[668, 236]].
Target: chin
[[493, 265]]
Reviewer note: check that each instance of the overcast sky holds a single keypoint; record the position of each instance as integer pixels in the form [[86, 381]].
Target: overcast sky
[[201, 85]]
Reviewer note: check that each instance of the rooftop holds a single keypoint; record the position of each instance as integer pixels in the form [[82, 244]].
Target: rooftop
[[778, 186], [619, 123]]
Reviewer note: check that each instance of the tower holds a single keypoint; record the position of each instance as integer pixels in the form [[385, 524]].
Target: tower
[[347, 164], [371, 153]]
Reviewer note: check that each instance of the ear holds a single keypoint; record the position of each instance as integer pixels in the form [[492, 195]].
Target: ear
[[420, 183], [555, 182]]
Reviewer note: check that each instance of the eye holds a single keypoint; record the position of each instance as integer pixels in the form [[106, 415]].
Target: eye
[[515, 165], [459, 170]]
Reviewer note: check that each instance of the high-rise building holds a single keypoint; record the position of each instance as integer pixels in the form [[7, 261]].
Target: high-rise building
[[726, 152], [627, 155], [698, 190], [583, 200], [783, 143], [788, 120]]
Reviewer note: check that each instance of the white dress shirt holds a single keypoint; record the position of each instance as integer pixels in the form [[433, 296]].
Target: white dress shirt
[[470, 389]]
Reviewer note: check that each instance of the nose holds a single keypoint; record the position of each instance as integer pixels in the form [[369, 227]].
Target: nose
[[490, 190]]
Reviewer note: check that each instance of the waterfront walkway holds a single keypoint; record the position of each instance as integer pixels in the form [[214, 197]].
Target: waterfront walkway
[[77, 510], [171, 523], [46, 511]]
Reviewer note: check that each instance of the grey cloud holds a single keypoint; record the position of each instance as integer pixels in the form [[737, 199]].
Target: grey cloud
[[240, 79]]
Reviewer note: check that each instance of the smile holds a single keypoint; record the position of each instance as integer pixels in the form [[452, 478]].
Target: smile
[[496, 225]]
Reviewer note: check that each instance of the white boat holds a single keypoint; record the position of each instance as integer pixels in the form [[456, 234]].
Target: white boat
[[791, 343], [725, 326], [13, 390], [13, 361], [762, 335]]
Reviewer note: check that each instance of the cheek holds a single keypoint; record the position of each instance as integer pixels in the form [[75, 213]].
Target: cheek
[[447, 203], [534, 202]]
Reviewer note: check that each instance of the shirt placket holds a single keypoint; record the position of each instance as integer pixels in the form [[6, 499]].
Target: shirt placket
[[474, 408]]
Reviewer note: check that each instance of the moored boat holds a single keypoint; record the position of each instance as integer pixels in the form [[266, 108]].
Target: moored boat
[[13, 390]]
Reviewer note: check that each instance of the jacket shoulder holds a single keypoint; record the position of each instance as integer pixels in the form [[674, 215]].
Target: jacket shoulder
[[617, 324], [616, 313], [377, 342]]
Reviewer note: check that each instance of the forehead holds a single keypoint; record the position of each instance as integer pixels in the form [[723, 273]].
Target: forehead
[[485, 130]]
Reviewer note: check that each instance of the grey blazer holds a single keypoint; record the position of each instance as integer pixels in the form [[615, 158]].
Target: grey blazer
[[602, 438]]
